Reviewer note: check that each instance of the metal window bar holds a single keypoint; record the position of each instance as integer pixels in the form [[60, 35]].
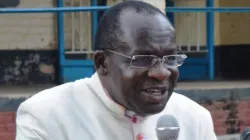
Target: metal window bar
[[78, 46], [72, 28], [100, 8], [184, 42], [198, 29], [210, 38], [189, 32], [178, 15], [81, 28]]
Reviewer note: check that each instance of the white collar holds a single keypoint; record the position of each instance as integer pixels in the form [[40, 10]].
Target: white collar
[[96, 86]]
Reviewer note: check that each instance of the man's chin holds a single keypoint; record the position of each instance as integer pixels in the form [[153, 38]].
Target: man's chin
[[152, 109], [155, 108]]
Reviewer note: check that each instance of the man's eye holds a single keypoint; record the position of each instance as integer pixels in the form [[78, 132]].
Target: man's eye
[[142, 61], [127, 61], [171, 58]]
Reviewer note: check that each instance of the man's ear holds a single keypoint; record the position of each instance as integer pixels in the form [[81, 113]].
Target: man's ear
[[100, 62]]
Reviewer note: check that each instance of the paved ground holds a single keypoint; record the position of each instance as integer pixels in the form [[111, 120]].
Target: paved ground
[[214, 85], [21, 91]]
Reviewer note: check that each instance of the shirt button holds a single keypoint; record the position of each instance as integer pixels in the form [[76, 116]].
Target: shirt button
[[134, 119], [140, 136]]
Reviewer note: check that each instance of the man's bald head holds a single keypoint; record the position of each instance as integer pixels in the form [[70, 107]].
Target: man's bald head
[[109, 33]]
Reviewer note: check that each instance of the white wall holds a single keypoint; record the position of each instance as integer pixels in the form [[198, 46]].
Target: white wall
[[28, 31], [234, 27], [230, 28], [158, 3]]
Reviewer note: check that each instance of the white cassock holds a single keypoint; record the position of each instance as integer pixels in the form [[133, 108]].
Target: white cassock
[[81, 110]]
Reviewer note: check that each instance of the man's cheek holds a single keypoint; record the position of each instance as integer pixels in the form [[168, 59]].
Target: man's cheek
[[131, 75], [175, 73], [174, 76], [128, 72]]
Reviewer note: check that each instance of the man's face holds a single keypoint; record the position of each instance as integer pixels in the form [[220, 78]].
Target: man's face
[[143, 90]]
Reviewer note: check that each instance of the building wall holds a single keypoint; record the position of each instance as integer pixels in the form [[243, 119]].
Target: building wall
[[234, 27], [158, 3], [29, 41], [231, 36], [28, 31], [233, 46], [28, 45], [230, 28]]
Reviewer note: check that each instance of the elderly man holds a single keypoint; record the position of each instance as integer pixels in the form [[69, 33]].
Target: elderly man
[[136, 61]]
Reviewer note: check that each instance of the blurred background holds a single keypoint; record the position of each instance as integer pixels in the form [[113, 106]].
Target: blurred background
[[42, 50]]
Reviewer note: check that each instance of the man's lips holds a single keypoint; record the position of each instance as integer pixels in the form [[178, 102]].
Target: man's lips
[[155, 90], [154, 94]]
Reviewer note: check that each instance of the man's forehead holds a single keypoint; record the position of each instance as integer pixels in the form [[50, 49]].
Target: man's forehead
[[152, 31]]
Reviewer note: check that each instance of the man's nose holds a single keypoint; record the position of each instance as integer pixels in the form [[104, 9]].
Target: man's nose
[[159, 72]]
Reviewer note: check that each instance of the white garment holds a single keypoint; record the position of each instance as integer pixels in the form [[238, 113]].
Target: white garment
[[81, 110]]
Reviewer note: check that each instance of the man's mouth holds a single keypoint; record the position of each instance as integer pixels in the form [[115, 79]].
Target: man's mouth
[[155, 91], [154, 95]]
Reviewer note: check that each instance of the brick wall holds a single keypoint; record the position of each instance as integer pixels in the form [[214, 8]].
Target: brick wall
[[229, 107], [7, 126], [229, 117]]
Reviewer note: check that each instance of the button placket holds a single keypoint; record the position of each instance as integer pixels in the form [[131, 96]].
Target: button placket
[[133, 125]]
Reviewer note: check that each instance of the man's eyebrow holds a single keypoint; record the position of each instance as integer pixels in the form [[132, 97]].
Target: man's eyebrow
[[171, 50], [152, 51]]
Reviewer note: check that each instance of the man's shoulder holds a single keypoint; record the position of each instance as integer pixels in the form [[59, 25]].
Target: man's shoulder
[[186, 105], [49, 99], [44, 100]]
